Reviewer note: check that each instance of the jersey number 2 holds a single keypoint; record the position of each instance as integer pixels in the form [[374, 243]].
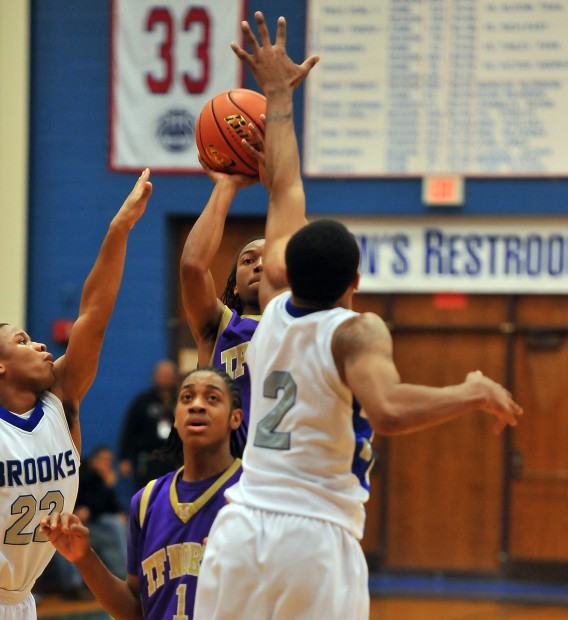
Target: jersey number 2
[[266, 435], [26, 505]]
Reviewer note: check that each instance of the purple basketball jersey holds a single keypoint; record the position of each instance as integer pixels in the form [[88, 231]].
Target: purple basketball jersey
[[165, 552], [231, 345]]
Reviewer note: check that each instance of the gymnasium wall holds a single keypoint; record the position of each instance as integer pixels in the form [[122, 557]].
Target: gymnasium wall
[[73, 196], [14, 97]]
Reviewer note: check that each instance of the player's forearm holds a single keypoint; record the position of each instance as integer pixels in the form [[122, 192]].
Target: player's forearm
[[103, 283], [287, 200], [114, 594], [204, 239], [406, 408]]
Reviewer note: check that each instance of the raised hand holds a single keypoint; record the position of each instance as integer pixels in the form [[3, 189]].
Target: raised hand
[[270, 64], [135, 204]]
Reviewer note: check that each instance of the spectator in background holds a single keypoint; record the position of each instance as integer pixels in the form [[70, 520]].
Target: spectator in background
[[147, 425], [99, 507]]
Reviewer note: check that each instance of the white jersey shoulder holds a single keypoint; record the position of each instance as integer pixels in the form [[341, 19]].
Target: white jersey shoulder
[[307, 435], [39, 474]]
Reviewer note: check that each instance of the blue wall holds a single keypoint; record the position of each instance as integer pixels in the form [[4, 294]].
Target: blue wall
[[73, 196]]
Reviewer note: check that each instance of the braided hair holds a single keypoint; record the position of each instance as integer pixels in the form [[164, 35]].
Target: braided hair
[[229, 297]]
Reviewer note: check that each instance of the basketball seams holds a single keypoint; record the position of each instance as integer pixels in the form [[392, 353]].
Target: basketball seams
[[223, 133], [201, 142], [248, 113], [199, 138], [211, 127]]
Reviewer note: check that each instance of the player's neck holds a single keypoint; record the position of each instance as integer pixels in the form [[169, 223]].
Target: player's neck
[[18, 401], [251, 309], [203, 464]]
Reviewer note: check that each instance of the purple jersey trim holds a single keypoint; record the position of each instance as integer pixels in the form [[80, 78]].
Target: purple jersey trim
[[165, 553], [229, 352]]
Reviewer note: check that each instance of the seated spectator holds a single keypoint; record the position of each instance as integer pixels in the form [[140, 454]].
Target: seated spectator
[[98, 506]]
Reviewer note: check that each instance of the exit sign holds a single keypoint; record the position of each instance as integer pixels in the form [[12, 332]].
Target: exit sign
[[443, 191]]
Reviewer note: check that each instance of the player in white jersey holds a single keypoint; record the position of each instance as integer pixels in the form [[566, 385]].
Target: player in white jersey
[[286, 545], [306, 464], [40, 438]]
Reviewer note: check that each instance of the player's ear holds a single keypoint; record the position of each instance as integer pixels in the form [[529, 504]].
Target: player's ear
[[235, 418], [2, 368], [357, 281]]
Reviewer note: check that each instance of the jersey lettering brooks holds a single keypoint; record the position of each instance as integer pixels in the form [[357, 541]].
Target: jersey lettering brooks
[[39, 467], [44, 468]]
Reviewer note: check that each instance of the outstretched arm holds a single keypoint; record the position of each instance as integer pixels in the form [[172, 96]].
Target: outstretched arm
[[76, 370], [278, 76], [121, 599], [362, 349], [203, 310]]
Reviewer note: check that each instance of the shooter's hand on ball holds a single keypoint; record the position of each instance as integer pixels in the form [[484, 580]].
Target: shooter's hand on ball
[[237, 181]]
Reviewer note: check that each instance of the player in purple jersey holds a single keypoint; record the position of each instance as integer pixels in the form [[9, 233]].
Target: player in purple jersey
[[222, 328], [171, 516], [235, 332]]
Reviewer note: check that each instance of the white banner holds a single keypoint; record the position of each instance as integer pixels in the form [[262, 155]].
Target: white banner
[[459, 87], [476, 255], [168, 59]]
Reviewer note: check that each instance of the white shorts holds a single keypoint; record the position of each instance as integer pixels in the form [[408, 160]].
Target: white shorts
[[268, 565], [24, 610]]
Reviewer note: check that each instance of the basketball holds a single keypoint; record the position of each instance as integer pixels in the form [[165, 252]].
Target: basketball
[[221, 126]]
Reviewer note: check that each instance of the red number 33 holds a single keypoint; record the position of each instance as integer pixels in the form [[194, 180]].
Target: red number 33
[[195, 16]]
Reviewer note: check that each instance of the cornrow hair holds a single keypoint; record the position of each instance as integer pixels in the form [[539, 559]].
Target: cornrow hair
[[229, 297]]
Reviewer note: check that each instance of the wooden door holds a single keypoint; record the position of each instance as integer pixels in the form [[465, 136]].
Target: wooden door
[[538, 537], [456, 497], [445, 484]]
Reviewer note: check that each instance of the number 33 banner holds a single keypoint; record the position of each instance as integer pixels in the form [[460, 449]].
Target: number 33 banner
[[168, 59]]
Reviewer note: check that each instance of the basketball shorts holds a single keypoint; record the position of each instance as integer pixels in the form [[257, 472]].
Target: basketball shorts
[[24, 610], [262, 565]]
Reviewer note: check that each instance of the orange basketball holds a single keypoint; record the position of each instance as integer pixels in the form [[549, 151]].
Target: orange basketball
[[222, 125]]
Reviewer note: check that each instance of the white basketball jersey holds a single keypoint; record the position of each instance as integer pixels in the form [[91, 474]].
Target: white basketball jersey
[[39, 474], [309, 445]]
